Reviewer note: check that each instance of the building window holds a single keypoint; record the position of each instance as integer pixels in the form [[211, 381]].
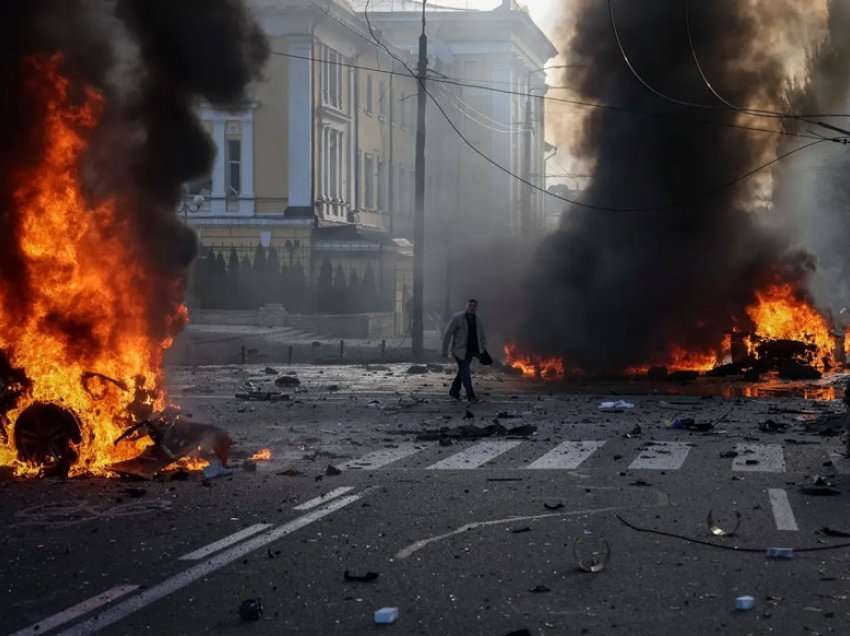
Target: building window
[[233, 168], [332, 164], [332, 78], [382, 179], [382, 98], [369, 94], [368, 181]]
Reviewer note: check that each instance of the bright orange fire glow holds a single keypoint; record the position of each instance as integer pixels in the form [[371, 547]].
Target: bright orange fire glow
[[778, 313], [262, 455], [550, 368], [84, 280]]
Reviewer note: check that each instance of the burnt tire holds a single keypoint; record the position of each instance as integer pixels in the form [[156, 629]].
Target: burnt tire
[[45, 434]]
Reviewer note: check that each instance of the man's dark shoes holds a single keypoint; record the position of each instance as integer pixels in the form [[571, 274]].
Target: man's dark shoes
[[456, 396], [473, 400]]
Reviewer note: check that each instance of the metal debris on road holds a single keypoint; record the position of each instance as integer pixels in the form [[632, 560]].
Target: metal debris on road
[[386, 615], [366, 577], [717, 531], [332, 471], [554, 506], [744, 603], [596, 562], [539, 589], [251, 609], [615, 406], [780, 553]]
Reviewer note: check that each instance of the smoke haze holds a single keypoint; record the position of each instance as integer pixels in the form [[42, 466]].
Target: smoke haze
[[612, 290]]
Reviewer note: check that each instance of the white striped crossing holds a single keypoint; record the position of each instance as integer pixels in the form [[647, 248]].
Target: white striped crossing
[[382, 457], [760, 458], [781, 507], [567, 455], [476, 455], [571, 454], [662, 456]]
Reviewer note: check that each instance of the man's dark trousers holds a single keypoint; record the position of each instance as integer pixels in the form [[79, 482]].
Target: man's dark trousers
[[463, 376]]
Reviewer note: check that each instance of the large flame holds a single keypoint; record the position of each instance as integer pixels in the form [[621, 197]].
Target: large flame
[[779, 313], [85, 312]]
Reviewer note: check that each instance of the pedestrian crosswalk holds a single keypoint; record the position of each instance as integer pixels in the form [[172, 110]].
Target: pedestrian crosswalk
[[588, 454]]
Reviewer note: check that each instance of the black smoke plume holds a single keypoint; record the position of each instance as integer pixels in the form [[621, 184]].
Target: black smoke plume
[[612, 290], [154, 62]]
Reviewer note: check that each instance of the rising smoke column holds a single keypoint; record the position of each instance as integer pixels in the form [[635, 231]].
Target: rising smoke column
[[612, 290], [153, 63]]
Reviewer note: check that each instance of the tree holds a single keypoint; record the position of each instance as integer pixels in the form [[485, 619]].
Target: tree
[[233, 288], [371, 298], [340, 291], [325, 288], [274, 281]]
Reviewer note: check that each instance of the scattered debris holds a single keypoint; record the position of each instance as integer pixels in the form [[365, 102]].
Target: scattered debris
[[717, 531], [554, 506], [249, 467], [135, 492], [820, 491], [251, 609], [780, 553], [640, 482], [539, 589], [289, 472], [596, 562], [417, 369], [270, 371], [367, 577], [519, 530], [287, 380], [216, 469], [772, 426], [831, 532], [744, 603], [635, 432], [468, 415], [386, 615], [332, 471], [729, 454], [690, 424], [616, 406], [469, 431], [262, 396]]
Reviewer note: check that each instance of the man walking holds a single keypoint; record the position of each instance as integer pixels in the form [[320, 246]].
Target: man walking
[[464, 339]]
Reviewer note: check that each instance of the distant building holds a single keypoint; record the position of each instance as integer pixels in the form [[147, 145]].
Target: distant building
[[312, 188]]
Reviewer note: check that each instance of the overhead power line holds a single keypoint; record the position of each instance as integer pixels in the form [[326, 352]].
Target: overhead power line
[[715, 107], [654, 208], [573, 102]]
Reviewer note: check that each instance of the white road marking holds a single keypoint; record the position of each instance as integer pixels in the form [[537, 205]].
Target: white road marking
[[318, 501], [382, 457], [226, 542], [770, 458], [782, 513], [475, 456], [662, 456], [567, 455], [75, 611], [199, 571], [841, 462]]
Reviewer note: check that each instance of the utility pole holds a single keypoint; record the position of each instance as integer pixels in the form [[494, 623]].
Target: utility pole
[[419, 212]]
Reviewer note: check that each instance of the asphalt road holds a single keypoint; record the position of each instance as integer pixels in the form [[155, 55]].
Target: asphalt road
[[473, 538]]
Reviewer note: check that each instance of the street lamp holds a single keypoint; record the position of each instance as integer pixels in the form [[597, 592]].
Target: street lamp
[[526, 214]]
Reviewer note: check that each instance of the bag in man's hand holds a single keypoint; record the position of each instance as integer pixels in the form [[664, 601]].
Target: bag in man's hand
[[485, 358]]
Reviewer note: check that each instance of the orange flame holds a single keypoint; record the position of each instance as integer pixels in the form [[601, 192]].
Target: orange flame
[[550, 368], [85, 280], [779, 313], [262, 455]]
